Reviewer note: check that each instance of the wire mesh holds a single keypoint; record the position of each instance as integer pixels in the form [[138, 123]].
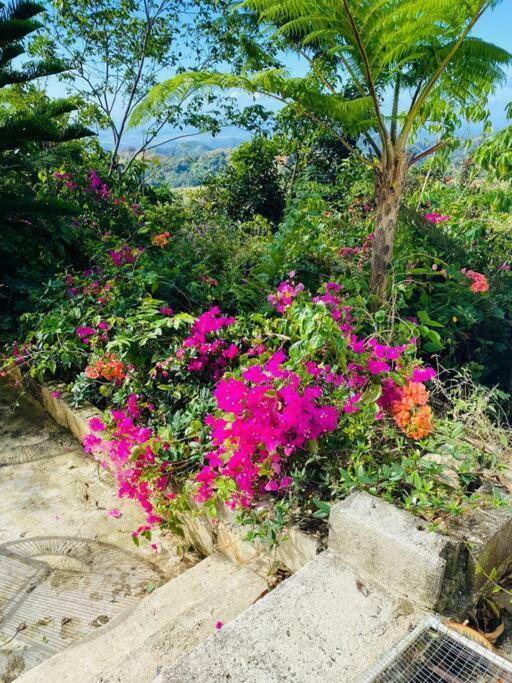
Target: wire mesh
[[437, 657]]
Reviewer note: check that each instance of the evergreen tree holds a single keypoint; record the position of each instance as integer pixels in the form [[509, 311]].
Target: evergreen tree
[[24, 134]]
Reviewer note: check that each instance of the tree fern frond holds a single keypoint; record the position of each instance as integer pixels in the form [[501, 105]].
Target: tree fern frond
[[355, 114]]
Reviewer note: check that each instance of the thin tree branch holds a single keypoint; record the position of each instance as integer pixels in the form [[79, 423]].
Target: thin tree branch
[[427, 152]]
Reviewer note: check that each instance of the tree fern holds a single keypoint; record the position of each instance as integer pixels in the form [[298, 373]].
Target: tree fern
[[22, 132], [421, 50]]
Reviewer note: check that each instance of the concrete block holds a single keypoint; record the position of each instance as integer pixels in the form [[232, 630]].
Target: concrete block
[[398, 551], [486, 534], [297, 548], [322, 624]]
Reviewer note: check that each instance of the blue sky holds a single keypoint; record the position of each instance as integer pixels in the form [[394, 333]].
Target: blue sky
[[495, 26]]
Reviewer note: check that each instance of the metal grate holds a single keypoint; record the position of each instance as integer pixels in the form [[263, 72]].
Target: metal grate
[[55, 590], [434, 653]]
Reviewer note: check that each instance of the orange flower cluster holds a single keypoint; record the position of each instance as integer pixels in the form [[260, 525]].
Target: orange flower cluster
[[161, 240], [411, 412], [109, 367]]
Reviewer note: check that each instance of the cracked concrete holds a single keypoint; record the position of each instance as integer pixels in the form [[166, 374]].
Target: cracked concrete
[[66, 567]]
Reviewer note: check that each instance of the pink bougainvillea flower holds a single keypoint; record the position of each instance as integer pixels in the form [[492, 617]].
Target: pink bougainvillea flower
[[56, 394], [219, 625], [423, 374], [125, 254], [115, 513], [96, 424], [85, 333], [166, 310], [436, 218], [375, 367], [286, 293]]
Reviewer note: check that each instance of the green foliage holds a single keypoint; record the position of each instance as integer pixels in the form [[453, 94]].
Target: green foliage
[[21, 131], [494, 155], [251, 184], [34, 132]]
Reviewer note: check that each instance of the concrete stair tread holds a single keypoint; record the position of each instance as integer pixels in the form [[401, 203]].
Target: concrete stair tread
[[165, 625], [323, 624]]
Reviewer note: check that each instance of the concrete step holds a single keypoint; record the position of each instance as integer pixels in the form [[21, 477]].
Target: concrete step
[[334, 619], [164, 626], [323, 624]]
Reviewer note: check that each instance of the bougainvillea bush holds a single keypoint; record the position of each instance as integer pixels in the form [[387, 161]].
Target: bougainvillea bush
[[234, 368], [272, 413]]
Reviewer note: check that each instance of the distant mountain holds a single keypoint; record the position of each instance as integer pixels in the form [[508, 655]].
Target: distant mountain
[[188, 166]]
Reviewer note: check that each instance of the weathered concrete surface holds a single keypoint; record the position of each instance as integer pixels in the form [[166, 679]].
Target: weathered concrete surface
[[66, 566], [49, 487], [324, 624], [396, 549], [162, 627], [486, 533]]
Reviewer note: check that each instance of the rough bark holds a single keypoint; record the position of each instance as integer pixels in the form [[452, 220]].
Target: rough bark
[[389, 182]]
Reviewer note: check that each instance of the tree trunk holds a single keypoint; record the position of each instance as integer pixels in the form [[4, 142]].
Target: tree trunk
[[389, 183]]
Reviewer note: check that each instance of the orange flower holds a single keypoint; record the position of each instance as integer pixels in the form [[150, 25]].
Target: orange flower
[[411, 413], [108, 367], [161, 240]]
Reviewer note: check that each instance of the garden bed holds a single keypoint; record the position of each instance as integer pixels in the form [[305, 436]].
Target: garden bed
[[293, 550]]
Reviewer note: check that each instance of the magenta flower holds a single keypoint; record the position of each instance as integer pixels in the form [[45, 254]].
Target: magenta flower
[[115, 513], [375, 367], [436, 218], [96, 424], [85, 333], [286, 293], [423, 374]]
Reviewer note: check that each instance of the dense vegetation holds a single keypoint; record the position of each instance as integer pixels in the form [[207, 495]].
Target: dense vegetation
[[330, 309]]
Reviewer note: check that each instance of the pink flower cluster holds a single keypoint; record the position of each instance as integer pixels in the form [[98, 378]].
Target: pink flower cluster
[[85, 333], [125, 254], [286, 293], [20, 355], [373, 359], [210, 352], [94, 288], [436, 218], [65, 178], [265, 418], [129, 453], [359, 250], [97, 186], [479, 282]]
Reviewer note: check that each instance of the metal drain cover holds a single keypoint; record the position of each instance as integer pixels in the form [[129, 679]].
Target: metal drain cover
[[435, 653], [56, 590]]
